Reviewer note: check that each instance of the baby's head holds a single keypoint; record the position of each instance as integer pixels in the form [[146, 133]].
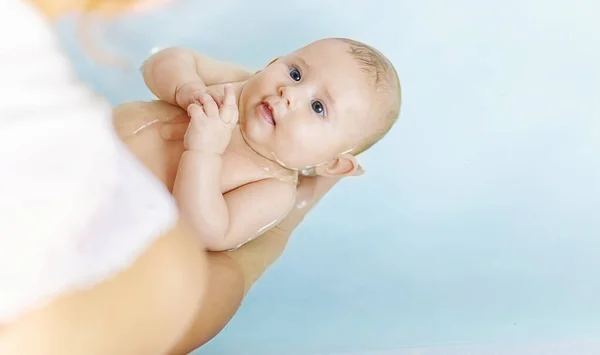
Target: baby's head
[[320, 106]]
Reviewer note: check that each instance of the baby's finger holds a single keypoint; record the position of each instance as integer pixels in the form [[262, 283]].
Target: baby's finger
[[210, 106], [218, 97], [229, 110], [195, 110], [197, 96], [229, 96]]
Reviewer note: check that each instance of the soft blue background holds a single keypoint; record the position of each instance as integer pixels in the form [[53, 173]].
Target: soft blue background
[[479, 218]]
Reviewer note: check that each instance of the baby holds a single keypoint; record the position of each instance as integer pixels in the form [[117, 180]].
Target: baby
[[309, 112]]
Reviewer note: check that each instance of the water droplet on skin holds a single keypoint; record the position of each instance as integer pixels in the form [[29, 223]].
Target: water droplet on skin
[[256, 235], [143, 127]]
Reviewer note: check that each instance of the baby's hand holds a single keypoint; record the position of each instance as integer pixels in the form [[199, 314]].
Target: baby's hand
[[189, 93], [210, 126], [192, 92]]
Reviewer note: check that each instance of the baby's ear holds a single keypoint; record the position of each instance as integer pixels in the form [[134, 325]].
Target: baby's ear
[[342, 166]]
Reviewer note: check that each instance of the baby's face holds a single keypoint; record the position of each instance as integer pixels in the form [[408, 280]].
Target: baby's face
[[308, 107]]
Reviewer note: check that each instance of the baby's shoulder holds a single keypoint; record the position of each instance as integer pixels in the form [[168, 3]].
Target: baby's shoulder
[[280, 194], [239, 170]]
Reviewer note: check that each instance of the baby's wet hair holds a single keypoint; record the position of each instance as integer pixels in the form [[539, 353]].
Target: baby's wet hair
[[387, 85]]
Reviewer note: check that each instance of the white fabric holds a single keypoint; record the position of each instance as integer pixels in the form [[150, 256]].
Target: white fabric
[[75, 206]]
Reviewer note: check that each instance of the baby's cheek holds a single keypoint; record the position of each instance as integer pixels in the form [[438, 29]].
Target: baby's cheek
[[299, 139], [311, 152]]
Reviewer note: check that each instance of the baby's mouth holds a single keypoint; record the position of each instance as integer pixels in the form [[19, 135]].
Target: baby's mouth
[[266, 112]]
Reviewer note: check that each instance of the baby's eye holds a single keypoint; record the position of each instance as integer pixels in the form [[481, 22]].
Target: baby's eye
[[318, 107], [295, 74]]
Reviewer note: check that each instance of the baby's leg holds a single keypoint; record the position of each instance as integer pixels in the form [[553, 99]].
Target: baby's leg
[[143, 310]]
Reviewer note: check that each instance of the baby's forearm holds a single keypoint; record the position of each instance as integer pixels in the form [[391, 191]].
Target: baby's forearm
[[198, 192], [213, 71], [169, 69]]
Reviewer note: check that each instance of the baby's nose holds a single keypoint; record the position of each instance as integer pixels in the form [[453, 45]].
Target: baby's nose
[[286, 94]]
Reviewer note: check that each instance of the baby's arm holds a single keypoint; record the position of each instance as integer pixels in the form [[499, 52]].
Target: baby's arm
[[223, 222], [170, 70]]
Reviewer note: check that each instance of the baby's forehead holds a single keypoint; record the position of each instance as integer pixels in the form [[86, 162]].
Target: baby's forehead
[[329, 63], [329, 55], [336, 69]]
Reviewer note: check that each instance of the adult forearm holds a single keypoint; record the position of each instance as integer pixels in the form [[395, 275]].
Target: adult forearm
[[225, 292], [255, 257], [232, 274]]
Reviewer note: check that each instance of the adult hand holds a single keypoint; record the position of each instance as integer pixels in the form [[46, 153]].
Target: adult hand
[[310, 190]]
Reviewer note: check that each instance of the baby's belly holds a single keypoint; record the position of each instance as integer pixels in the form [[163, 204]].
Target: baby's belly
[[138, 124]]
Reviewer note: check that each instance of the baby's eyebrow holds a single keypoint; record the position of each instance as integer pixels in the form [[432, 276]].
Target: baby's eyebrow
[[328, 96], [303, 63]]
